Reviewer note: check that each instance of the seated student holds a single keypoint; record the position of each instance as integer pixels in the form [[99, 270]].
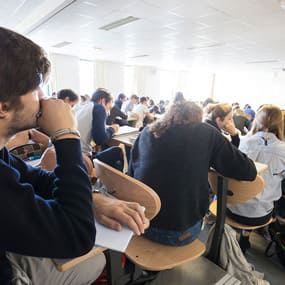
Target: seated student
[[173, 156], [46, 215], [120, 100], [117, 116], [263, 144], [179, 97], [220, 116], [91, 119], [129, 105], [68, 96], [141, 111], [240, 120]]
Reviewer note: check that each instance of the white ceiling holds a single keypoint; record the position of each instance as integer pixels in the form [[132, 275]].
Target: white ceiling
[[173, 33]]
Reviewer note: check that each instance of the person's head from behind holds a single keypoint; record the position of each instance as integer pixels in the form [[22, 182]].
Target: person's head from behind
[[269, 118], [151, 102], [179, 97], [103, 97], [122, 97], [208, 101], [186, 113], [68, 96], [23, 68], [134, 99], [84, 99], [143, 100], [220, 113]]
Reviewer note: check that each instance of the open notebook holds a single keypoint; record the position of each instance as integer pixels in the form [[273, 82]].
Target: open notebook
[[126, 130]]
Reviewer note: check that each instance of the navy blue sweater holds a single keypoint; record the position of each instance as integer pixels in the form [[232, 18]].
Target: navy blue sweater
[[176, 166], [45, 214], [100, 134]]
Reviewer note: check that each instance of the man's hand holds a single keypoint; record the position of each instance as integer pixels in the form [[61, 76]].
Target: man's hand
[[39, 137], [231, 128], [115, 127], [55, 115], [114, 213]]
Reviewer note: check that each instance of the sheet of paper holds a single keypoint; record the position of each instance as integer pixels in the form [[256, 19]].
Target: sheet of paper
[[112, 239], [126, 130]]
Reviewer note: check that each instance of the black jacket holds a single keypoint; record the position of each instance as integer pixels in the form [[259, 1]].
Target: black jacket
[[176, 166]]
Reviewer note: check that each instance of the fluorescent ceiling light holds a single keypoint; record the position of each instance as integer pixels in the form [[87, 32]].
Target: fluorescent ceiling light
[[119, 23], [207, 46], [62, 44], [139, 56], [262, 61]]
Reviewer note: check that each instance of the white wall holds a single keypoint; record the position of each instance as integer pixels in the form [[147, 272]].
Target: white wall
[[109, 75], [65, 72], [254, 88]]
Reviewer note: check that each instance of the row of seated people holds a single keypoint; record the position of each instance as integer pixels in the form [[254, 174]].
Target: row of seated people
[[218, 115], [172, 156]]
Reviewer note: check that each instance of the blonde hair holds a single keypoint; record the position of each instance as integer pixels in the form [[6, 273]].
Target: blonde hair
[[269, 118], [219, 110]]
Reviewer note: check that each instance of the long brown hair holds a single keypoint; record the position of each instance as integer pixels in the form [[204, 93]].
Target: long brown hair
[[269, 118], [178, 114]]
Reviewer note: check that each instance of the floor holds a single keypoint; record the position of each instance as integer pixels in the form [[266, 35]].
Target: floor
[[203, 272], [274, 272]]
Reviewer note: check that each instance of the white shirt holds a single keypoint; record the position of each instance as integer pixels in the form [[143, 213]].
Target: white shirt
[[140, 110], [266, 148], [84, 120]]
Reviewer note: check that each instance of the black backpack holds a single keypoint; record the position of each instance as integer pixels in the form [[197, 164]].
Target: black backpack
[[277, 233]]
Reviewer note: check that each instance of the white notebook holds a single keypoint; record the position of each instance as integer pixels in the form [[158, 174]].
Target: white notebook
[[112, 239], [126, 130]]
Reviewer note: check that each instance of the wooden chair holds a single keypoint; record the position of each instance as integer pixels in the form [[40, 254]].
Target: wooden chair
[[143, 252], [237, 192]]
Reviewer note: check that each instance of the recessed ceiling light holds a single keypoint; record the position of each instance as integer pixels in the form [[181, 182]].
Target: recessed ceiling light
[[62, 44], [262, 61], [119, 23], [139, 56], [206, 46]]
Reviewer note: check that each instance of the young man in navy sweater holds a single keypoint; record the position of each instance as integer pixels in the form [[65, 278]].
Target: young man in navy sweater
[[43, 214]]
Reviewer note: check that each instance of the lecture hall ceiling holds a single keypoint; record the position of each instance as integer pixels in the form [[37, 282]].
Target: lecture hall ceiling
[[169, 33]]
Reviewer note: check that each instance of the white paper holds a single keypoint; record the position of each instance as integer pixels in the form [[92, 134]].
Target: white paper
[[126, 130], [112, 239]]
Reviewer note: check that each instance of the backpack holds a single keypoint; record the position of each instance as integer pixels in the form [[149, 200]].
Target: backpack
[[277, 233]]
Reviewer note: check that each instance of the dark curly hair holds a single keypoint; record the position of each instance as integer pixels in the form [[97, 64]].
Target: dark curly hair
[[179, 114], [23, 66]]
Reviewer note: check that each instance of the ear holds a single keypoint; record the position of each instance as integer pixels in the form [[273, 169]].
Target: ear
[[4, 109]]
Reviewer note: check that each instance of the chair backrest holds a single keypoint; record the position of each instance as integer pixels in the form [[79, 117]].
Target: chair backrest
[[119, 185], [27, 150], [238, 191]]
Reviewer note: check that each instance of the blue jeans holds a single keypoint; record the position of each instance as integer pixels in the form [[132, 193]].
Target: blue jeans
[[175, 238]]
